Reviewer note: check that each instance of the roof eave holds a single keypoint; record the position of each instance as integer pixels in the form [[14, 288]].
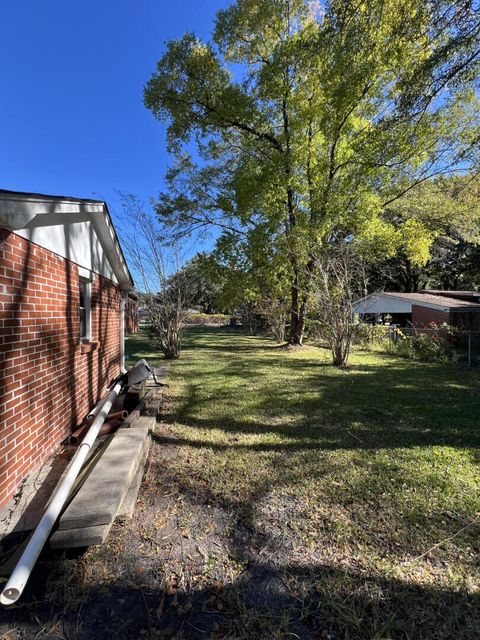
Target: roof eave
[[19, 214]]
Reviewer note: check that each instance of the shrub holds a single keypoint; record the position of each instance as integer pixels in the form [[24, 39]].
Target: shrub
[[165, 325], [209, 319], [432, 345], [368, 336], [338, 282], [315, 332], [274, 312]]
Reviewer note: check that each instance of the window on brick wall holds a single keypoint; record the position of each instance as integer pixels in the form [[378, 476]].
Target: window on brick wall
[[85, 306]]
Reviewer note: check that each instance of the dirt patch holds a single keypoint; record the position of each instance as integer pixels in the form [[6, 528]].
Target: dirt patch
[[182, 567], [190, 566], [292, 347], [161, 574]]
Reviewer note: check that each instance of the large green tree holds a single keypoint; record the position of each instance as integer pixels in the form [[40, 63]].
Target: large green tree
[[200, 288], [445, 214], [310, 118]]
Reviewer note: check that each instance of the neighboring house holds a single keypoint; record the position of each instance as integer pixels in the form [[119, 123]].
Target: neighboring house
[[457, 308], [64, 284], [143, 315]]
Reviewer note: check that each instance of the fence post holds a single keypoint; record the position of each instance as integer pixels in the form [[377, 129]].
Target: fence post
[[469, 350]]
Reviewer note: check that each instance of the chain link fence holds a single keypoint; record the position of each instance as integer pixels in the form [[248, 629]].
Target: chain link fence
[[463, 345]]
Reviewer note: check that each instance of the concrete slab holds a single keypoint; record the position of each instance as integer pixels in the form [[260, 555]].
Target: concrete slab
[[160, 375], [25, 509], [142, 422], [152, 406], [154, 391], [128, 505], [134, 416], [97, 534], [102, 493], [85, 537]]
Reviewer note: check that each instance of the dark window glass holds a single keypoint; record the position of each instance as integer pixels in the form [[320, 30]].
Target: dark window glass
[[83, 310]]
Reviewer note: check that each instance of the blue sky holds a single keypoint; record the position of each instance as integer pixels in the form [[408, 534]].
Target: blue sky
[[72, 120]]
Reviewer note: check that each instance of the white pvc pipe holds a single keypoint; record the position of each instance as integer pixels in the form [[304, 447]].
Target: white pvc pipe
[[16, 584], [96, 408]]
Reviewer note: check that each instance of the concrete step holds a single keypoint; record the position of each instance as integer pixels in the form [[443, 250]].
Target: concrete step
[[128, 505], [85, 536], [154, 388], [111, 489], [104, 490]]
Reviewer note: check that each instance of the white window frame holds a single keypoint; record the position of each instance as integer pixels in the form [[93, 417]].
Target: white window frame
[[88, 308]]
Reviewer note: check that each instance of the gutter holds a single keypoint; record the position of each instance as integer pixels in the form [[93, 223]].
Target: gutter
[[18, 211]]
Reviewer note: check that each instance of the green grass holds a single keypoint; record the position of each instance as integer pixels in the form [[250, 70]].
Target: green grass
[[339, 478], [138, 346]]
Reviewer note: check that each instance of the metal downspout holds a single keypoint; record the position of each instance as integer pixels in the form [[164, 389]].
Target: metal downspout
[[122, 334]]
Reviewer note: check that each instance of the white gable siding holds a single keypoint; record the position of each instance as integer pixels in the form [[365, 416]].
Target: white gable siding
[[380, 303], [71, 236], [79, 230]]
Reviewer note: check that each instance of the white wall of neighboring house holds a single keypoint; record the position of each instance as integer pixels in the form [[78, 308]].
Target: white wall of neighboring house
[[381, 303]]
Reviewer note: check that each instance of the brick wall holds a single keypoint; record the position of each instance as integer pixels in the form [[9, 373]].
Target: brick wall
[[48, 381], [423, 316]]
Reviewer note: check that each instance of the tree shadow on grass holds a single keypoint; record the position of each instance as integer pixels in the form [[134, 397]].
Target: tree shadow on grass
[[285, 430], [362, 441], [363, 411], [266, 602], [383, 407], [375, 506]]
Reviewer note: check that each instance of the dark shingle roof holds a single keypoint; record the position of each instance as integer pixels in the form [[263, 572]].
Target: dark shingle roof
[[454, 294], [50, 197], [428, 298]]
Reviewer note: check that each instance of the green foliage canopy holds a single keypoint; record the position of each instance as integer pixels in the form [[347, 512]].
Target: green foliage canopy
[[200, 286], [438, 223], [309, 121]]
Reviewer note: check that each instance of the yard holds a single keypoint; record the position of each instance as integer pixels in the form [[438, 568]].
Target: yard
[[286, 498]]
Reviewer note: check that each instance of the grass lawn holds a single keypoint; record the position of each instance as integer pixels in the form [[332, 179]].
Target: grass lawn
[[285, 499], [334, 486]]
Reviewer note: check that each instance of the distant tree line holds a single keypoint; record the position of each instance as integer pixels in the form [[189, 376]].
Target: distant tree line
[[323, 129]]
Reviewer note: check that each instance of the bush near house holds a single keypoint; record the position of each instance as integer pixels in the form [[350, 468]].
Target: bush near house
[[370, 336], [435, 344]]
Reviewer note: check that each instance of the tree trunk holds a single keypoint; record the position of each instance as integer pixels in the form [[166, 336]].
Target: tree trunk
[[297, 329], [338, 358], [297, 318]]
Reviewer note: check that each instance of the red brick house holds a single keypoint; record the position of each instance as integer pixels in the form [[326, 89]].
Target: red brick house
[[459, 309], [64, 287]]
